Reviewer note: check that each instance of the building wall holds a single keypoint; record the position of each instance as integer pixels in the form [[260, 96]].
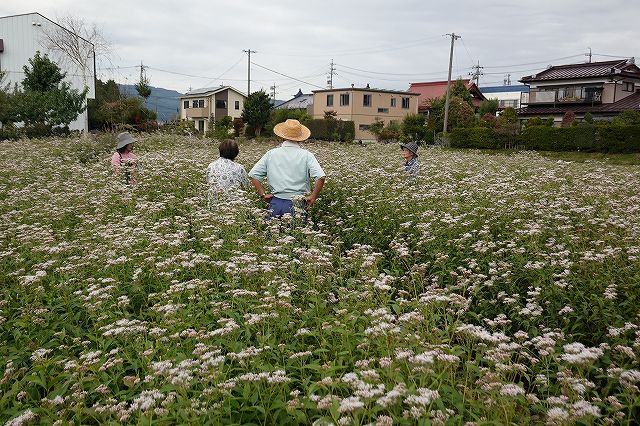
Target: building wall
[[362, 115], [23, 36], [197, 114]]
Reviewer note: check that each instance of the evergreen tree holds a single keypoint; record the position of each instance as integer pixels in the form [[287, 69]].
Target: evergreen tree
[[47, 101], [257, 110]]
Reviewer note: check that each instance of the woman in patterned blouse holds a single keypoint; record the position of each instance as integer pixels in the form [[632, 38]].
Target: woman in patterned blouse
[[224, 175]]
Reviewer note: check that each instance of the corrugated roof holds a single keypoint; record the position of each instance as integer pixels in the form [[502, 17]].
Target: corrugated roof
[[588, 70], [502, 89]]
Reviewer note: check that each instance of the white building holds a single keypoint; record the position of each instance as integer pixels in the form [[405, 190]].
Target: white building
[[21, 36], [507, 96]]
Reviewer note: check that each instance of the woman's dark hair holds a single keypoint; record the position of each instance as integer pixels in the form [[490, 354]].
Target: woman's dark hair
[[229, 149], [121, 150]]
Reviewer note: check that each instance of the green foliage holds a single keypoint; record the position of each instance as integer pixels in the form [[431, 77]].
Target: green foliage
[[221, 128], [629, 117], [391, 132], [414, 128], [478, 137], [126, 111], [508, 116], [142, 87], [105, 93], [461, 113], [256, 113], [42, 74], [459, 90], [534, 121], [588, 118], [376, 127], [278, 115], [489, 106], [331, 130]]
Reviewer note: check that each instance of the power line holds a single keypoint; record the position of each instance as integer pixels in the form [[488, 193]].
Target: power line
[[534, 63], [288, 76]]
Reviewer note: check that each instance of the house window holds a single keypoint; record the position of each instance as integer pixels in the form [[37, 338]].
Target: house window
[[329, 100], [628, 87], [194, 103], [185, 105], [237, 105], [201, 125], [221, 104], [344, 99], [393, 102], [405, 103], [383, 110], [366, 100], [364, 127], [201, 103]]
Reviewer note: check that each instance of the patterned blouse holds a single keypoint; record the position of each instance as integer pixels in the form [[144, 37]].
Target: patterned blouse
[[226, 177]]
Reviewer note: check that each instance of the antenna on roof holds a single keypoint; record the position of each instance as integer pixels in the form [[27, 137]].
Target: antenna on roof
[[588, 54]]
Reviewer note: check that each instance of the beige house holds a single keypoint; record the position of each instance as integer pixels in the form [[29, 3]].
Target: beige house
[[364, 105], [204, 106]]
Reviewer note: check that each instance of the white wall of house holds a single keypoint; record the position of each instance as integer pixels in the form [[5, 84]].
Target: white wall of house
[[231, 104], [23, 36]]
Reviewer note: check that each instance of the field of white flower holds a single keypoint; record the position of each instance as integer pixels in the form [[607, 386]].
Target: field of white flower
[[500, 289]]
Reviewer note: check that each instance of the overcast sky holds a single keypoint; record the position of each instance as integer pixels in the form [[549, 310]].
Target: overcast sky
[[387, 44]]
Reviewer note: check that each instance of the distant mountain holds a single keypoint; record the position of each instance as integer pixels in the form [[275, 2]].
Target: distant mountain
[[164, 102]]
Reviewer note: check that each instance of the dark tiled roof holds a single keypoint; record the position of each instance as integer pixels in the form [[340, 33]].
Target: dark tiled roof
[[630, 102], [588, 70]]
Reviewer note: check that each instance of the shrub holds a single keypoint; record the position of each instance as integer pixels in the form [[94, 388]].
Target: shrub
[[414, 128], [220, 129], [477, 137], [542, 138], [331, 130], [280, 115], [9, 133], [618, 138]]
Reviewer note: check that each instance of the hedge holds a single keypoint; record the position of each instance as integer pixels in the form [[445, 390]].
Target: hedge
[[332, 130], [480, 138], [608, 138]]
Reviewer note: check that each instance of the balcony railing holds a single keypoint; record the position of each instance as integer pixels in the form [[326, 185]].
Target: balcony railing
[[569, 95], [197, 112]]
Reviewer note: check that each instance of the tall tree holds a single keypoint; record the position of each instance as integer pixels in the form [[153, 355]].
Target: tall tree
[[257, 109], [47, 101], [460, 90], [76, 42], [142, 86]]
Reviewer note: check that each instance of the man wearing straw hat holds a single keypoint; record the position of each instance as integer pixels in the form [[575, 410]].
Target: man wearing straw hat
[[288, 169]]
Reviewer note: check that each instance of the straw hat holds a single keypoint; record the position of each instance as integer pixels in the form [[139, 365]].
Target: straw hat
[[292, 130], [124, 139], [411, 146]]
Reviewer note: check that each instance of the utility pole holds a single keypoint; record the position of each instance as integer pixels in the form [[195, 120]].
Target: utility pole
[[507, 80], [273, 91], [249, 52], [588, 54], [332, 71], [475, 75], [454, 37]]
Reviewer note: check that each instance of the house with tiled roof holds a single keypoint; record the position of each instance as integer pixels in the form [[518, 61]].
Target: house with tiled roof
[[299, 101], [206, 105], [604, 89], [430, 90]]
